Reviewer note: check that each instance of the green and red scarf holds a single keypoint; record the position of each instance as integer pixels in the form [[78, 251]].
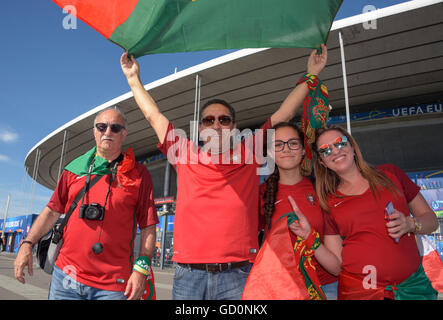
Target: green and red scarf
[[315, 115], [126, 176]]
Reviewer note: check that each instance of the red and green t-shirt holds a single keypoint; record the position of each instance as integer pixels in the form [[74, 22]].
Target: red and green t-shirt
[[304, 195], [126, 207], [216, 218], [360, 221]]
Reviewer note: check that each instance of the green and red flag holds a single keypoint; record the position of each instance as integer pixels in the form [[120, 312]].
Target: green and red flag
[[157, 26], [283, 268]]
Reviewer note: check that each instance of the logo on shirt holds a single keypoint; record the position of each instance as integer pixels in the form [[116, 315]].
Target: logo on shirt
[[310, 198]]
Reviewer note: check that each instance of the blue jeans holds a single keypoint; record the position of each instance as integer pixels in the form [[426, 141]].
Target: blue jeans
[[64, 287], [193, 284], [330, 290]]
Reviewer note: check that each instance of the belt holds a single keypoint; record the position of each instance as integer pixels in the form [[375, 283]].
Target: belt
[[215, 267]]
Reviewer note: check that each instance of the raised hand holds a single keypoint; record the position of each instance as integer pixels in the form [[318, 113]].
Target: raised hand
[[317, 62], [130, 66]]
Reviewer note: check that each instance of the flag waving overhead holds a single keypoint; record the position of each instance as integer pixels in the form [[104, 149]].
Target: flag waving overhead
[[156, 26]]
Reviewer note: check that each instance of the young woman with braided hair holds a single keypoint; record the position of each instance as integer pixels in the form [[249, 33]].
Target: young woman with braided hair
[[287, 181]]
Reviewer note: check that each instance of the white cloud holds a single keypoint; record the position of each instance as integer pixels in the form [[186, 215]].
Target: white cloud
[[8, 136], [4, 158]]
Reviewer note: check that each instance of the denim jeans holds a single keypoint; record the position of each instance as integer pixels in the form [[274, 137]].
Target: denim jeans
[[64, 287], [330, 290], [193, 284]]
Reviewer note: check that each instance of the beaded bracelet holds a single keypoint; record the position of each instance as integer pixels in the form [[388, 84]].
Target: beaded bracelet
[[143, 266], [310, 79]]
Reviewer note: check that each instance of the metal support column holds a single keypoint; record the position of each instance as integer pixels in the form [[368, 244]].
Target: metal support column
[[196, 119], [3, 238], [34, 178], [63, 153], [345, 83], [165, 216]]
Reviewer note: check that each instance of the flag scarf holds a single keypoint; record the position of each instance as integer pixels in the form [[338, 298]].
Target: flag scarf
[[282, 270], [149, 293], [431, 262], [416, 287], [156, 26], [424, 284], [315, 115], [125, 175]]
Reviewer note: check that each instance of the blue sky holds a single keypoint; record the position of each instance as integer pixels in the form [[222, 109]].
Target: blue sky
[[50, 75]]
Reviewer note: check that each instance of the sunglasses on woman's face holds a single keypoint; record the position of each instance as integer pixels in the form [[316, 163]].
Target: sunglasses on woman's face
[[325, 150], [210, 120], [115, 127]]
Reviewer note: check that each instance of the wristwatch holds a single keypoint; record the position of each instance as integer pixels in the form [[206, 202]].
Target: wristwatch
[[418, 225]]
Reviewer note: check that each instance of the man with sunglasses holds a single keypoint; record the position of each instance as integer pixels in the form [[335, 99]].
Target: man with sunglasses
[[96, 260], [216, 218]]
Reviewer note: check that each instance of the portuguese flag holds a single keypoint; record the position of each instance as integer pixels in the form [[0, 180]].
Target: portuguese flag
[[156, 26], [283, 270]]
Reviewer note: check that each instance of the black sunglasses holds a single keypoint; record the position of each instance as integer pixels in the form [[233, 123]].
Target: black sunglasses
[[115, 127], [210, 120]]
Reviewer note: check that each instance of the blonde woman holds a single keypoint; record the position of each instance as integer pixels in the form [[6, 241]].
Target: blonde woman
[[369, 209]]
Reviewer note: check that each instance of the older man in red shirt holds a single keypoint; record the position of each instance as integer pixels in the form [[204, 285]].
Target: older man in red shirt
[[96, 260]]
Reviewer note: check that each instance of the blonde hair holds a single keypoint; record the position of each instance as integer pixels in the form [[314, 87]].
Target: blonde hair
[[327, 181]]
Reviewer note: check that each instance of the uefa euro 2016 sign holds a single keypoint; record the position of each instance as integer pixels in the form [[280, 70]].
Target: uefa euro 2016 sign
[[389, 113]]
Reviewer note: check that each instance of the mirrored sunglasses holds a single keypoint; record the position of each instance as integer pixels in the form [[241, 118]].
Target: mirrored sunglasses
[[325, 150]]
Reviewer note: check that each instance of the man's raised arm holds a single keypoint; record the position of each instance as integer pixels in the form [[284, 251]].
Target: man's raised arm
[[294, 100], [143, 99]]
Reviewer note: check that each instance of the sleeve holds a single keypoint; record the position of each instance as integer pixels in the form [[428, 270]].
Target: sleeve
[[329, 225], [60, 196], [410, 189], [267, 125], [146, 211], [174, 145]]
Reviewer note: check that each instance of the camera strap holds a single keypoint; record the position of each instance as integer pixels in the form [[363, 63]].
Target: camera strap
[[58, 232]]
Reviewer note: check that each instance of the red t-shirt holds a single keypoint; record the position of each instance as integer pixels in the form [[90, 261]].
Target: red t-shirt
[[216, 218], [126, 207], [360, 220], [304, 195]]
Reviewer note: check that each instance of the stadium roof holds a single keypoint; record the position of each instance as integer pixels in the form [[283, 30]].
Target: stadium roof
[[394, 60]]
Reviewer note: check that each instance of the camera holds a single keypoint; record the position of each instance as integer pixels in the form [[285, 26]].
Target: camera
[[92, 211]]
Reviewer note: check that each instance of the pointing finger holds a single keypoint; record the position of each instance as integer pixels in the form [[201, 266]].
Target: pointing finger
[[294, 206]]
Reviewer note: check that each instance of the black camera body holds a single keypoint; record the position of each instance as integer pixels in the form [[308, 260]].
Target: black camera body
[[92, 211]]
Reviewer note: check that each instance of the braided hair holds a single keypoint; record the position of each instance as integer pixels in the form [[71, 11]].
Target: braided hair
[[272, 181]]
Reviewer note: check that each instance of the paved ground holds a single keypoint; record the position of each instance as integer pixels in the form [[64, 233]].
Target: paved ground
[[36, 287]]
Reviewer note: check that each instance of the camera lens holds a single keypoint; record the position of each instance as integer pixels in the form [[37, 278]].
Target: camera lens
[[92, 213]]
